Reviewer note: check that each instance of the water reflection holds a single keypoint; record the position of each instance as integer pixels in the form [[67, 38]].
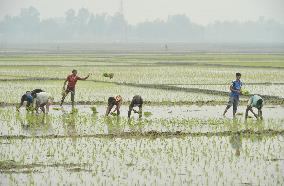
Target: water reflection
[[34, 124], [69, 125], [113, 124], [236, 143]]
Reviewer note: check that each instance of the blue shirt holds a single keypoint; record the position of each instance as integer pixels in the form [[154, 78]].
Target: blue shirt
[[29, 98], [236, 85]]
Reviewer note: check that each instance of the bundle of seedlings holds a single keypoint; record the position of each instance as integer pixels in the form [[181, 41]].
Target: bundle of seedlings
[[94, 109], [109, 75]]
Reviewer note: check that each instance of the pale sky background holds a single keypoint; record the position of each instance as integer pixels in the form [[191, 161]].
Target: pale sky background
[[199, 11]]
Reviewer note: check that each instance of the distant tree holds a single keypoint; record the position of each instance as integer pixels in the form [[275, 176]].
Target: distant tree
[[83, 16], [85, 26], [97, 27], [117, 27]]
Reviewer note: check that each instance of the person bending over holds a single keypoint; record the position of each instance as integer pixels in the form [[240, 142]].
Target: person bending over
[[257, 102], [114, 101], [137, 101]]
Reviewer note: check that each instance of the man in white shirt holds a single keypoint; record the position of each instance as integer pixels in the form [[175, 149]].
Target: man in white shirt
[[42, 100]]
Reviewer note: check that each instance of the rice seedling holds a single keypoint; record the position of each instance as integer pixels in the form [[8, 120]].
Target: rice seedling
[[147, 114], [109, 75], [94, 110]]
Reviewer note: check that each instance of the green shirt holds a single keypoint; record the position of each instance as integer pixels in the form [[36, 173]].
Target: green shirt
[[253, 101]]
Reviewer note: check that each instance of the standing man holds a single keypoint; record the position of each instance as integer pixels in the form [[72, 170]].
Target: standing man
[[257, 102], [117, 101], [72, 80], [137, 101], [235, 94]]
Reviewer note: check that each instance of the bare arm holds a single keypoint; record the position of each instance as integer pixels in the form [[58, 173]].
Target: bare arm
[[65, 83], [118, 106], [21, 103], [108, 110], [249, 108], [84, 77]]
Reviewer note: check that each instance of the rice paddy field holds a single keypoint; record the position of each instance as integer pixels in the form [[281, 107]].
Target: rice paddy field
[[182, 138]]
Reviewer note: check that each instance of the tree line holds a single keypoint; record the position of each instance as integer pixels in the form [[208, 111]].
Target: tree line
[[84, 26]]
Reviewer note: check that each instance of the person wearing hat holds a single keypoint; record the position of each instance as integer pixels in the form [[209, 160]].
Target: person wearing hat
[[114, 101], [72, 80], [257, 102], [137, 101], [28, 97]]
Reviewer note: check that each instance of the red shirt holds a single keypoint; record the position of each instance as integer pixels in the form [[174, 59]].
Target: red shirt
[[72, 80]]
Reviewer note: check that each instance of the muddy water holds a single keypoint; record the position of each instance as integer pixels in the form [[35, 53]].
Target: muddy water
[[192, 111], [163, 119], [230, 160], [85, 149]]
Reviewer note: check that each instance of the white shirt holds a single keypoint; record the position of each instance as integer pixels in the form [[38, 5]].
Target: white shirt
[[42, 98]]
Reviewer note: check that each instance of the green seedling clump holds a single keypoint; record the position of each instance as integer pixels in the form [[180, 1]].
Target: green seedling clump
[[7, 165], [109, 75], [94, 109], [147, 114], [239, 114], [245, 92], [57, 108], [74, 111]]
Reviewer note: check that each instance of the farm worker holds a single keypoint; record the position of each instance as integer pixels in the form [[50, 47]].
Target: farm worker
[[28, 97], [257, 102], [137, 101], [72, 80], [235, 94], [41, 100], [114, 101]]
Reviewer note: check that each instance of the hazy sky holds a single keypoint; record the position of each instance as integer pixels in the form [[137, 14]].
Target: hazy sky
[[200, 11]]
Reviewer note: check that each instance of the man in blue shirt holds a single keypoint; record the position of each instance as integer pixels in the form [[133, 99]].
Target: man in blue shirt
[[28, 97], [235, 94]]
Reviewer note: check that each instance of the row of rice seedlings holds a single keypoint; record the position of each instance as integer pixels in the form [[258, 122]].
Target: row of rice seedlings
[[14, 123], [154, 159]]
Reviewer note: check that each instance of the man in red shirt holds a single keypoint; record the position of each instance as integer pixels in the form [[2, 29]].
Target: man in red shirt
[[72, 80]]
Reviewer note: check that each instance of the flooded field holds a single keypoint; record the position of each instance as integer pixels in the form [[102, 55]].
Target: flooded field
[[172, 119], [200, 160], [176, 145], [181, 139]]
